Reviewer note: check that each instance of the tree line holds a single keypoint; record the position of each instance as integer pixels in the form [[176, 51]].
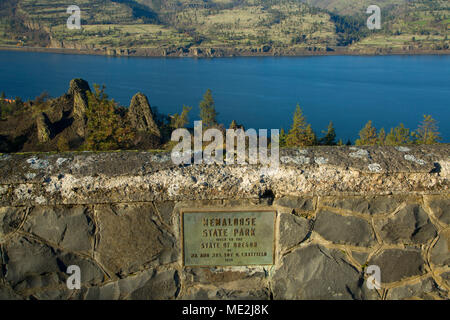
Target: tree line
[[109, 129], [301, 133]]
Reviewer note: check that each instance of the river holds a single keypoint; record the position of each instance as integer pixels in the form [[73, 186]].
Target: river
[[257, 92]]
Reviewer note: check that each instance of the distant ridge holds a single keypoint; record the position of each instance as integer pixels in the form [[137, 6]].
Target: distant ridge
[[214, 28]]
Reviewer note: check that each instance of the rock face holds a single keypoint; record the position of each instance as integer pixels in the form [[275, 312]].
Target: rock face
[[78, 89], [399, 264], [293, 230], [141, 115], [440, 254], [310, 273], [441, 207], [409, 225], [117, 215], [26, 259], [70, 228], [149, 242], [10, 220], [344, 229], [426, 289], [366, 205], [43, 130], [161, 286], [301, 204]]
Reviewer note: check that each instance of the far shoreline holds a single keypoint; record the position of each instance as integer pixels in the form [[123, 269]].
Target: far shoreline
[[339, 52]]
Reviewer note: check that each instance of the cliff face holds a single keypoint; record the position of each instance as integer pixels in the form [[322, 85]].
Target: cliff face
[[118, 217]]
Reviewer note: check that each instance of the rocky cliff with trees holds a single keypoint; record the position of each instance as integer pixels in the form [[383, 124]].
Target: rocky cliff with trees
[[81, 119]]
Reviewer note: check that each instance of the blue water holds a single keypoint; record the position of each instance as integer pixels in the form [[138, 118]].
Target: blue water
[[257, 92]]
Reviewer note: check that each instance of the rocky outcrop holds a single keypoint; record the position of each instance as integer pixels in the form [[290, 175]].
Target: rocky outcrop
[[78, 89], [63, 126], [43, 130], [141, 115]]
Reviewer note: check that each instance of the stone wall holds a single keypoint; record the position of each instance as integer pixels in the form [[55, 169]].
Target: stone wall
[[117, 216]]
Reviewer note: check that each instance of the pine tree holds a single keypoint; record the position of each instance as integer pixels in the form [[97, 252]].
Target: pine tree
[[368, 135], [398, 136], [106, 129], [301, 133], [427, 133], [235, 126], [282, 138], [310, 138], [330, 136], [2, 96], [208, 112], [381, 137], [180, 120]]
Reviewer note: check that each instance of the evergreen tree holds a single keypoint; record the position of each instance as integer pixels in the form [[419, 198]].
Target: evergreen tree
[[106, 129], [398, 136], [427, 133], [310, 138], [340, 142], [367, 135], [349, 142], [301, 133], [180, 120], [330, 136], [208, 112], [381, 137], [42, 98], [235, 126], [282, 138], [2, 96]]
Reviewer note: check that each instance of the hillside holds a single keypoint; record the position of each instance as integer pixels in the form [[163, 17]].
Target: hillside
[[351, 7], [227, 27], [415, 25]]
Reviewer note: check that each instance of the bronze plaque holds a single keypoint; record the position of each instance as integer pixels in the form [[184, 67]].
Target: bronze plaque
[[228, 238]]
